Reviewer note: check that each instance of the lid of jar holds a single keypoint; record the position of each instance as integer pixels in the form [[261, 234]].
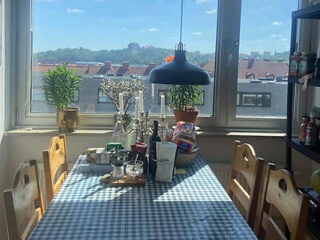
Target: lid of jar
[[118, 163]]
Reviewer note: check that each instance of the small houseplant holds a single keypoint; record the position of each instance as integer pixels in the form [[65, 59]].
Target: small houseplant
[[59, 87], [182, 99], [130, 88]]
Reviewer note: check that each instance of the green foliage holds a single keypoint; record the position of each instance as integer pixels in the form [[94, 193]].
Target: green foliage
[[184, 97], [129, 88], [138, 56], [60, 85]]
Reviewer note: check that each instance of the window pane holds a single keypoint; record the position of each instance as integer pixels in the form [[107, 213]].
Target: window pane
[[107, 40], [264, 57]]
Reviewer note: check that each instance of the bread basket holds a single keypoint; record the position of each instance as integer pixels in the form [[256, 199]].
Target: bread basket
[[184, 159]]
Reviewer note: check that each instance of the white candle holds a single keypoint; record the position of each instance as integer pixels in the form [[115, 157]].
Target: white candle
[[162, 109], [137, 107], [141, 101], [121, 103]]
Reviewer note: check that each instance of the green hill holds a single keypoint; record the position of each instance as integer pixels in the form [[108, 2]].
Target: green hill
[[133, 56]]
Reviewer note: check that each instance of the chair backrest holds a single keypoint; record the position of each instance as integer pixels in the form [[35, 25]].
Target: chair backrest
[[54, 159], [23, 203], [250, 167], [281, 192]]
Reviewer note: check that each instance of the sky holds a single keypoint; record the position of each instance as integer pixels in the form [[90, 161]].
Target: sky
[[112, 24]]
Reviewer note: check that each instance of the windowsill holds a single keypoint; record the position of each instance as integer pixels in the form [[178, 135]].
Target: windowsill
[[209, 132]]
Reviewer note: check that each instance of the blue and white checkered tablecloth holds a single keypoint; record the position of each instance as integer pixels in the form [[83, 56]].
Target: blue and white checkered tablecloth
[[193, 206]]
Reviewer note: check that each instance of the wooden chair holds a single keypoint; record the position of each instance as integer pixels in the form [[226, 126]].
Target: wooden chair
[[281, 192], [250, 167], [54, 160], [24, 203]]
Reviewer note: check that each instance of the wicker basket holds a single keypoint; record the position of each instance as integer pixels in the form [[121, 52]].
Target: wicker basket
[[185, 159]]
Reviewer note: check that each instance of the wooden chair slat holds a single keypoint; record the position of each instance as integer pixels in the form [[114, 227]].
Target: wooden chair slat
[[250, 167], [274, 231], [281, 192], [240, 193], [55, 158], [23, 203]]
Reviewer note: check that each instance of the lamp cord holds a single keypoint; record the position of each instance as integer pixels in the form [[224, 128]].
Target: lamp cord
[[180, 45], [181, 20]]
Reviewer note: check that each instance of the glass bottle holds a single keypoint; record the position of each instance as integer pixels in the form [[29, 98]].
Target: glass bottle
[[118, 135], [317, 65], [154, 138], [311, 135], [303, 129]]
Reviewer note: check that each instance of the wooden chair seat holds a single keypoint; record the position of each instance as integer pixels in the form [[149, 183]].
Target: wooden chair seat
[[249, 167], [280, 192], [23, 203], [55, 163]]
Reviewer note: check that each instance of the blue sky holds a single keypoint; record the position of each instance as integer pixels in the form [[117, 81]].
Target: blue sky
[[112, 24]]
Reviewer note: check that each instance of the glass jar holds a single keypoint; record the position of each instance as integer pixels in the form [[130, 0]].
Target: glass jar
[[118, 169]]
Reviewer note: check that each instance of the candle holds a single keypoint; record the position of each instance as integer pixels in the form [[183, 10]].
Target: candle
[[121, 103], [141, 101], [137, 107], [162, 109]]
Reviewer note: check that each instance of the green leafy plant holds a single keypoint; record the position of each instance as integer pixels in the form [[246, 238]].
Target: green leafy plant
[[184, 97], [130, 88], [60, 86]]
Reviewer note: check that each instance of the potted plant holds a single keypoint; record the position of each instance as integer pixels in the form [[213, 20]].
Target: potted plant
[[59, 87], [182, 99], [130, 88]]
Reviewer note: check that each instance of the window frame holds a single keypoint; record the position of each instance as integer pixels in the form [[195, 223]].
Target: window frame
[[225, 79]]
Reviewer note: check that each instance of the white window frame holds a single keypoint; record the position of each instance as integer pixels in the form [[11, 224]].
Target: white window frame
[[225, 89]]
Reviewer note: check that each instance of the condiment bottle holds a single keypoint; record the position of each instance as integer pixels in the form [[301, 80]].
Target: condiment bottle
[[303, 129], [152, 149], [311, 135]]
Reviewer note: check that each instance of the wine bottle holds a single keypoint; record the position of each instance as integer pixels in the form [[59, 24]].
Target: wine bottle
[[317, 65], [152, 149]]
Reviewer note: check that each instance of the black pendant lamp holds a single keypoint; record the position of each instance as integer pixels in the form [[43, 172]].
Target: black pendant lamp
[[179, 71]]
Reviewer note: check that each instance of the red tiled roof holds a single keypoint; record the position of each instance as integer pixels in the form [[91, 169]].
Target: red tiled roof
[[254, 67]]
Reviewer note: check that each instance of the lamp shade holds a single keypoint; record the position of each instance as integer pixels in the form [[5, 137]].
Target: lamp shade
[[179, 72]]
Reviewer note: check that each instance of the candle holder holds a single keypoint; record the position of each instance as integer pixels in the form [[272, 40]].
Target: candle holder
[[143, 126], [163, 129], [118, 130]]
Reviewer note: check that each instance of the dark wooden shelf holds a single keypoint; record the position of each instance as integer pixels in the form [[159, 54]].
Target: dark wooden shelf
[[312, 12], [311, 152], [312, 82]]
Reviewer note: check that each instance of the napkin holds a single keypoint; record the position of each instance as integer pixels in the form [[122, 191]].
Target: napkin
[[166, 154], [85, 167]]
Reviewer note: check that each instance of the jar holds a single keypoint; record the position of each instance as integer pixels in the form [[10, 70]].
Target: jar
[[118, 169], [303, 129]]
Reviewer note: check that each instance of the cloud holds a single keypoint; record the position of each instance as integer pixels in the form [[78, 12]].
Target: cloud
[[276, 35], [212, 11], [153, 29], [276, 23], [197, 33], [201, 1], [74, 10], [284, 39]]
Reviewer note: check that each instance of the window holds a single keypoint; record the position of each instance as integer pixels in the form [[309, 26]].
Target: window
[[253, 100], [250, 85], [102, 98], [140, 41], [264, 57]]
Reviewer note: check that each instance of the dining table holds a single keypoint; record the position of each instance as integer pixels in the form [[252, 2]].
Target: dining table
[[193, 206]]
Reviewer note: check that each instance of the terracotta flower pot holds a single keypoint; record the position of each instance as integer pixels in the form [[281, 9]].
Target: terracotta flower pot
[[186, 116], [68, 118]]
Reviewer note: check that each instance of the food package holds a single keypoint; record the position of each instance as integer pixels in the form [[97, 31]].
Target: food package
[[184, 136]]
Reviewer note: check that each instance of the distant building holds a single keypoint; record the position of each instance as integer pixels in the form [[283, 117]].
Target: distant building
[[133, 46], [261, 87]]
